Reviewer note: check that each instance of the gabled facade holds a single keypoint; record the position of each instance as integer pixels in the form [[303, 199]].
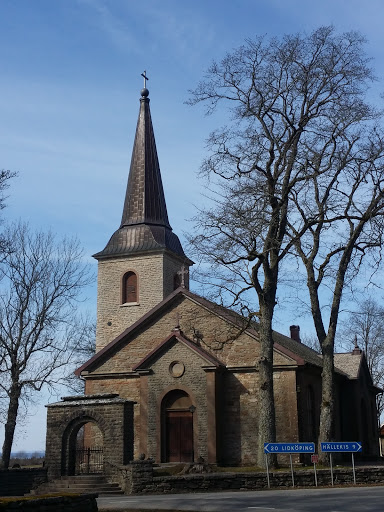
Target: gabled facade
[[188, 347]]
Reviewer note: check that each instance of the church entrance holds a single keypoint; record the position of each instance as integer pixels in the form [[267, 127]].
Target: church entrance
[[178, 427]]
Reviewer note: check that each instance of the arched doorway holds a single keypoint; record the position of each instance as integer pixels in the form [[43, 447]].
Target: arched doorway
[[83, 448], [89, 450], [177, 414]]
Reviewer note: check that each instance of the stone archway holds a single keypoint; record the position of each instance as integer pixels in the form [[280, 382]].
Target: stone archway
[[83, 447], [177, 420], [112, 415]]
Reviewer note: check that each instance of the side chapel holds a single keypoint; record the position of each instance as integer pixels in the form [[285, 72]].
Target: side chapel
[[175, 376]]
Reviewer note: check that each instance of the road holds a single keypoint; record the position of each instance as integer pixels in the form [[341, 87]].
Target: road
[[348, 499]]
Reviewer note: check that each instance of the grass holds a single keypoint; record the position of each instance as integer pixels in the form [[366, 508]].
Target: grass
[[177, 469]]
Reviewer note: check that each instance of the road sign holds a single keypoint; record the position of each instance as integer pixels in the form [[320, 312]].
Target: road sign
[[341, 446], [314, 459], [289, 447]]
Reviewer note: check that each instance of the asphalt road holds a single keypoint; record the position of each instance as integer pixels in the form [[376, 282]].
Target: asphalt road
[[348, 499]]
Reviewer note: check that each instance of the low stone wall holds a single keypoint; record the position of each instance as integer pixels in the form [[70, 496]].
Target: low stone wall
[[139, 478], [74, 503], [17, 482]]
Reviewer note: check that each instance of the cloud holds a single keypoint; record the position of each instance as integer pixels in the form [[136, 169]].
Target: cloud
[[163, 28], [116, 28]]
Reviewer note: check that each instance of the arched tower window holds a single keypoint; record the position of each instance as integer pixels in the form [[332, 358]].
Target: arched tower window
[[129, 287]]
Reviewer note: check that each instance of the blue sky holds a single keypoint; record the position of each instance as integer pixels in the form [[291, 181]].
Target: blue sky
[[69, 98]]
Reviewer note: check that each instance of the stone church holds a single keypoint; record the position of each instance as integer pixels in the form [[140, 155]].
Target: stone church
[[175, 376]]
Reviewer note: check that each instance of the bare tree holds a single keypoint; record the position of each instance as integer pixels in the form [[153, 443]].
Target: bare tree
[[289, 100], [81, 334], [5, 176], [41, 282], [365, 327], [346, 195]]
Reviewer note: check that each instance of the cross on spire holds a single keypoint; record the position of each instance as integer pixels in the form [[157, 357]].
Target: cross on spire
[[144, 75]]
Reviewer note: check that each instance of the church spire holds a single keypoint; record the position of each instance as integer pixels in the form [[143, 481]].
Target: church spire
[[144, 223], [144, 200]]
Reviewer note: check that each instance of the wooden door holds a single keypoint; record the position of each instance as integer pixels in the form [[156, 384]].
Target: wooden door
[[179, 436]]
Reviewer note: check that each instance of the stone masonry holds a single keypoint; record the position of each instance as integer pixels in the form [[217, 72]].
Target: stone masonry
[[114, 417], [155, 274], [236, 402]]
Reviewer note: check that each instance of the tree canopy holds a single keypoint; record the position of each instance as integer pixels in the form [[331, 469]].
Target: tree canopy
[[299, 161]]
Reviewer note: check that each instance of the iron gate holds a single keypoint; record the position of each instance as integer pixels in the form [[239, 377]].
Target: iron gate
[[89, 460]]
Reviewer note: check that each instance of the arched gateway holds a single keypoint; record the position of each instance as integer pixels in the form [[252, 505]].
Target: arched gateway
[[108, 428]]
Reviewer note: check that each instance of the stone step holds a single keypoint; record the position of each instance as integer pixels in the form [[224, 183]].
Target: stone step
[[76, 487], [79, 484], [81, 479]]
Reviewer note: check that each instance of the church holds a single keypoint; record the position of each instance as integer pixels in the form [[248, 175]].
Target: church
[[175, 376]]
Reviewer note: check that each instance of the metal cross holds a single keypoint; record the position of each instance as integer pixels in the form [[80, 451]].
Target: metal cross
[[144, 75], [182, 273]]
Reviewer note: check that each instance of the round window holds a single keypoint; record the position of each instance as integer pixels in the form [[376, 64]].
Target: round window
[[176, 369]]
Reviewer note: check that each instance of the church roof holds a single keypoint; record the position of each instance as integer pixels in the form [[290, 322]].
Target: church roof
[[144, 223], [298, 352], [349, 363]]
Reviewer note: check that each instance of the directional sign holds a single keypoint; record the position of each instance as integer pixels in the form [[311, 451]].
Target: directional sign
[[342, 446], [289, 447]]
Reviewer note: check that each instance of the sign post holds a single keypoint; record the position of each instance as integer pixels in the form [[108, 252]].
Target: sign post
[[288, 449], [266, 464], [342, 447], [315, 460]]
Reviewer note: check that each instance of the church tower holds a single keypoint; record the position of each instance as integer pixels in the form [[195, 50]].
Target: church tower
[[143, 261]]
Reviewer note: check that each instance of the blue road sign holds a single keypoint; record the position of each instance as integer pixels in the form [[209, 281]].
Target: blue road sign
[[289, 447], [341, 446]]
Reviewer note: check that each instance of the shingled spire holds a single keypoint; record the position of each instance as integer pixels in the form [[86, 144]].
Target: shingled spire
[[144, 224]]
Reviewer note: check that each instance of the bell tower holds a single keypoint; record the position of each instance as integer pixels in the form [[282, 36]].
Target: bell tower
[[143, 261]]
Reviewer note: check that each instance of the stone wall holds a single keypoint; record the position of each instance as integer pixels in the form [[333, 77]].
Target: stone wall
[[74, 503], [17, 482], [139, 478]]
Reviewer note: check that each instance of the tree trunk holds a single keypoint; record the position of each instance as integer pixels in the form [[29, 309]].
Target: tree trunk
[[267, 424], [9, 431], [327, 399]]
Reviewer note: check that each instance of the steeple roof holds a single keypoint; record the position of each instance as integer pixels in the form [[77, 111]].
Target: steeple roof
[[144, 223]]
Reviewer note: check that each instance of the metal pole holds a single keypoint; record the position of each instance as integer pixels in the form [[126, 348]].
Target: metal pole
[[353, 469], [293, 478], [330, 460], [88, 459], [266, 463], [314, 468]]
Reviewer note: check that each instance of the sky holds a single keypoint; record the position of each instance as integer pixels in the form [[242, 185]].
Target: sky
[[69, 100]]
